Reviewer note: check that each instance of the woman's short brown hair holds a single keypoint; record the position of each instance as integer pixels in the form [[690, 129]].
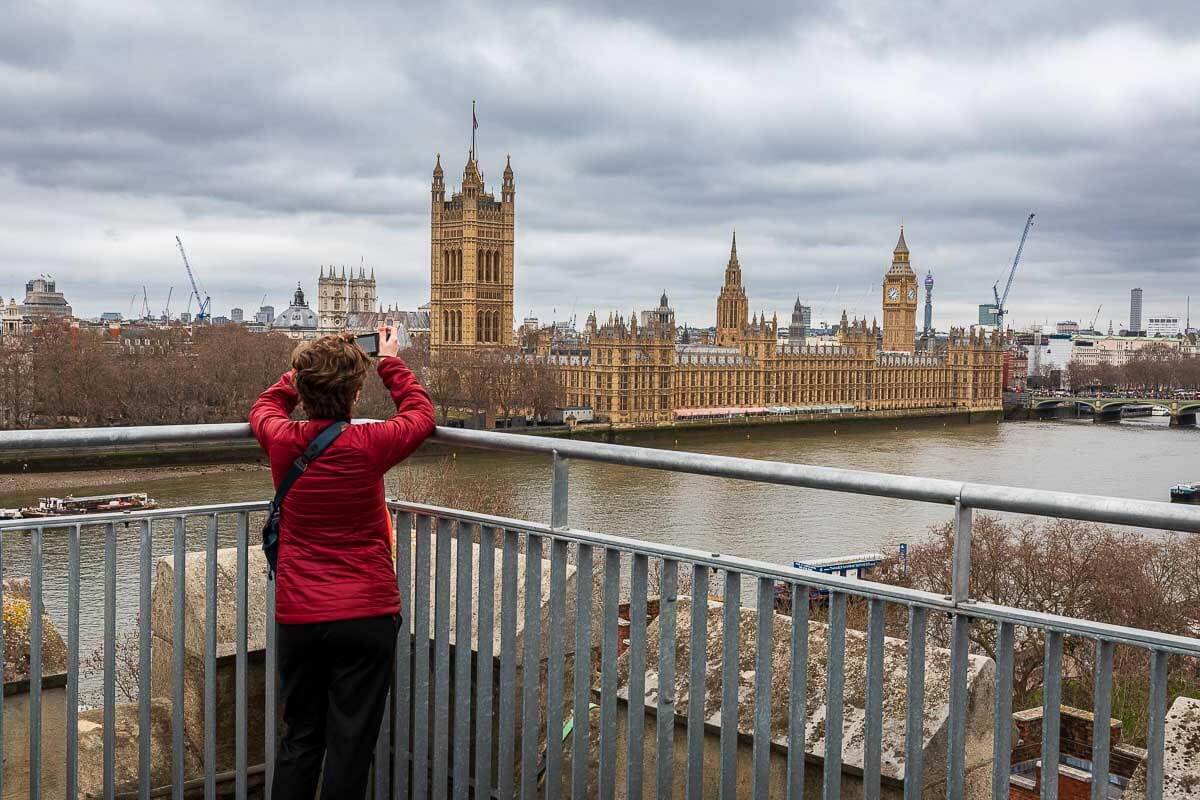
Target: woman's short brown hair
[[329, 374]]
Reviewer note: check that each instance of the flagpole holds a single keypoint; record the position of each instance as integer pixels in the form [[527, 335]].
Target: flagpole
[[474, 125]]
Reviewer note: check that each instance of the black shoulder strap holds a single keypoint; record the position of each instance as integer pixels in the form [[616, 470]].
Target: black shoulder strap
[[314, 449]]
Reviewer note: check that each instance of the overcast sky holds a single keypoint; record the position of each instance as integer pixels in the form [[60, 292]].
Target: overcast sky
[[275, 137]]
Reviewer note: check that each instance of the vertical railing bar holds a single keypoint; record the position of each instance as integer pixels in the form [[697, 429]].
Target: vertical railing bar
[[270, 692], [834, 688], [420, 703], [1101, 733], [441, 659], [210, 661], [381, 777], [506, 752], [957, 721], [1051, 702], [581, 711], [110, 658], [914, 715], [145, 586], [730, 679], [559, 492], [960, 578], [1156, 732], [664, 754], [696, 678], [402, 688], [636, 736], [555, 666], [872, 746], [608, 673], [75, 671], [71, 777], [462, 662], [960, 593], [764, 641], [530, 666], [35, 659], [241, 694], [1002, 721], [485, 670], [179, 570], [798, 693]]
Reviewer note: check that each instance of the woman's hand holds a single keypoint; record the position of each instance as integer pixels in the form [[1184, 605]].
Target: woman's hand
[[389, 343]]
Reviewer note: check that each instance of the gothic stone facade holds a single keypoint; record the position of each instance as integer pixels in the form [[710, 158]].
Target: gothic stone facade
[[634, 374], [471, 262], [339, 297]]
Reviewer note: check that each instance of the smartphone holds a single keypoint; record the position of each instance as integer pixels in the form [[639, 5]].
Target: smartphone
[[369, 342]]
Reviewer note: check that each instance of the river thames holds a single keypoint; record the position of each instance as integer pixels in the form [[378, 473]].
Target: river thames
[[1138, 458]]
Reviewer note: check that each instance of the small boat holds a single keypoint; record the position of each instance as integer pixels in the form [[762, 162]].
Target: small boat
[[10, 513], [1159, 411], [1185, 493], [97, 504]]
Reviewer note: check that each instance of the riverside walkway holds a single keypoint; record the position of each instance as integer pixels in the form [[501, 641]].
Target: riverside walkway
[[537, 659]]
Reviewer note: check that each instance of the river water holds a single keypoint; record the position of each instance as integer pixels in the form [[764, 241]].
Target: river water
[[1138, 458]]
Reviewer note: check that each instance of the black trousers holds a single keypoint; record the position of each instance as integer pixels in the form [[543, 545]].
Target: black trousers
[[334, 679]]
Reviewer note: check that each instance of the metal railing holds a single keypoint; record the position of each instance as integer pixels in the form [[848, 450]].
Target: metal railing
[[458, 730]]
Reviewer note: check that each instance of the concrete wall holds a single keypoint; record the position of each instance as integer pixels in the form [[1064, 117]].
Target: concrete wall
[[162, 616], [16, 737]]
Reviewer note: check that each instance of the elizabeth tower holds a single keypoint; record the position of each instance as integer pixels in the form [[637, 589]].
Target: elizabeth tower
[[900, 302]]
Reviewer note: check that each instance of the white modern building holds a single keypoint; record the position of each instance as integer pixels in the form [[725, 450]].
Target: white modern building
[[1114, 350], [1162, 326]]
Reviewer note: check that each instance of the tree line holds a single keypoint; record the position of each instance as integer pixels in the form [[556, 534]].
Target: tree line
[[1074, 569], [72, 378], [1153, 369]]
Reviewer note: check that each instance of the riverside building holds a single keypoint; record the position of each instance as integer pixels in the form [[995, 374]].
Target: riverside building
[[631, 373]]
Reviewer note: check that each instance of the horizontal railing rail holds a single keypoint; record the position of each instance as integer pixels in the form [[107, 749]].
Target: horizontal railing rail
[[986, 497], [510, 713]]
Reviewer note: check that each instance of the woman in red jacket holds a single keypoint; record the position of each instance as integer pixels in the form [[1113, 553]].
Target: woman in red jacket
[[336, 601]]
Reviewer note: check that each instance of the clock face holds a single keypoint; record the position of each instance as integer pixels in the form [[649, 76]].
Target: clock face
[[912, 295], [893, 293]]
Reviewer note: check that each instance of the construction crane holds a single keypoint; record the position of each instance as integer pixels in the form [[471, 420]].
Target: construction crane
[[1001, 308], [145, 303], [167, 307], [1096, 317], [202, 301]]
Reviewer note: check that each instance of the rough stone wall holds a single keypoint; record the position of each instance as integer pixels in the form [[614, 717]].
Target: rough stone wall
[[17, 612], [1181, 755], [162, 621], [980, 695]]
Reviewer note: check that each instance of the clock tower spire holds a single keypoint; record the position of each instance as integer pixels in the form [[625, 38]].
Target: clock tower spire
[[900, 301]]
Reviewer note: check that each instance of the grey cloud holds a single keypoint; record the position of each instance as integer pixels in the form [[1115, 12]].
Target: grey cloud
[[284, 135]]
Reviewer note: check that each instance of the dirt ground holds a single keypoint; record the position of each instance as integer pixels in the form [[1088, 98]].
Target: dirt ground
[[39, 481]]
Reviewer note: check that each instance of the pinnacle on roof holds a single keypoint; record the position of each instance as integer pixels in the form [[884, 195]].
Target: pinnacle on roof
[[733, 249], [508, 173], [437, 168], [662, 301], [901, 246]]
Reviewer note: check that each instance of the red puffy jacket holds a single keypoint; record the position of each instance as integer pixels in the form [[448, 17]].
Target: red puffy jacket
[[335, 552]]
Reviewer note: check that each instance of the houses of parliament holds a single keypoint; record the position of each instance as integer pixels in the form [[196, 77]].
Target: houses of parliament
[[628, 370]]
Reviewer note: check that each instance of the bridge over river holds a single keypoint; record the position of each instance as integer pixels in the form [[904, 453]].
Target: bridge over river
[[1108, 409]]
